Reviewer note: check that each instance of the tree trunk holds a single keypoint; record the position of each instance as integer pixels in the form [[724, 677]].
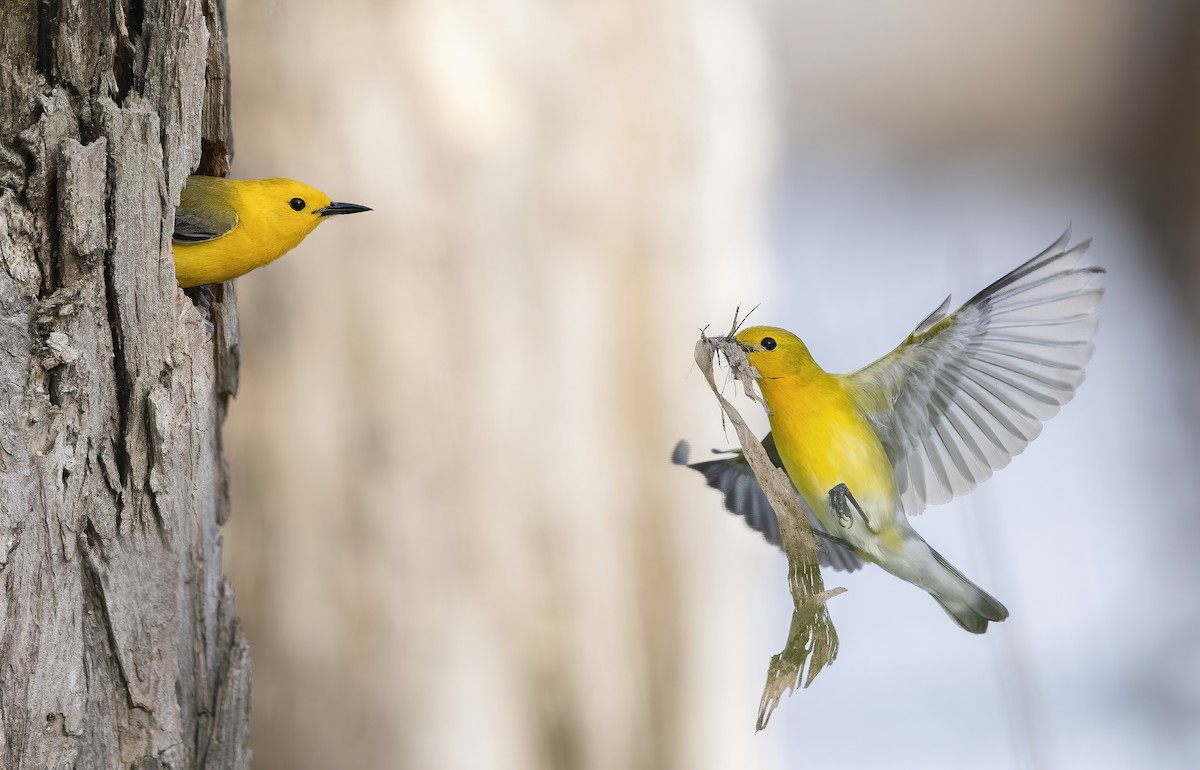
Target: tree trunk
[[119, 646]]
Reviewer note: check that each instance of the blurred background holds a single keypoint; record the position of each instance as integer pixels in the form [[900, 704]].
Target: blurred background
[[457, 541]]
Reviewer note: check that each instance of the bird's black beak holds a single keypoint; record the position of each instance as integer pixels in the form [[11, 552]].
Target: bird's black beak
[[340, 208]]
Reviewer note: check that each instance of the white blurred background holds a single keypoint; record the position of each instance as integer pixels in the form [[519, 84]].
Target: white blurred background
[[457, 541]]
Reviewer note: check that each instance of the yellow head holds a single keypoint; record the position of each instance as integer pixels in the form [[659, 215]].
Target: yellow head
[[227, 227], [282, 212], [775, 352]]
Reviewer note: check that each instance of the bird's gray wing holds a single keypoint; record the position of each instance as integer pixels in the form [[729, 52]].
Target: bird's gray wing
[[968, 391], [205, 211], [194, 226], [732, 476]]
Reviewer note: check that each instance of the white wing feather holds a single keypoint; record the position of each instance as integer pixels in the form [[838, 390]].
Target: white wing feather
[[965, 393]]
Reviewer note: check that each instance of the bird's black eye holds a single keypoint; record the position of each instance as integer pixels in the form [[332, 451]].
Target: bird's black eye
[[297, 204], [768, 343]]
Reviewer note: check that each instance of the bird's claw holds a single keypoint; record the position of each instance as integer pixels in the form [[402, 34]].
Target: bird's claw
[[841, 500]]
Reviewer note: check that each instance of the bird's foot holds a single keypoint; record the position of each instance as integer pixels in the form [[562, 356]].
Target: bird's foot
[[841, 500]]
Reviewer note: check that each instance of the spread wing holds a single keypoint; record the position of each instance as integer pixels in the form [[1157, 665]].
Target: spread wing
[[968, 391], [744, 497], [204, 213]]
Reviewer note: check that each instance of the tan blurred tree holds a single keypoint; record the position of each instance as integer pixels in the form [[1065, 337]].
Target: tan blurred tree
[[458, 540], [118, 641]]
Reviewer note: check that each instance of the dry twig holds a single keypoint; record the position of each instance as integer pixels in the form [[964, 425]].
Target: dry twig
[[812, 641]]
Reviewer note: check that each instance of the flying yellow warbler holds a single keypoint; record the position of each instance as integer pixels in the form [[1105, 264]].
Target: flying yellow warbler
[[227, 227], [957, 400]]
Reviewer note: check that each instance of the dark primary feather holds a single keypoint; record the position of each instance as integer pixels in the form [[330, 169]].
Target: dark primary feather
[[205, 211], [732, 476], [200, 226]]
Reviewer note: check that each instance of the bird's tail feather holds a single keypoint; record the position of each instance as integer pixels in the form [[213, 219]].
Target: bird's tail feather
[[968, 604]]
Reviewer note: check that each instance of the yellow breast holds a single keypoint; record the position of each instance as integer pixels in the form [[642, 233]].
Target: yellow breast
[[824, 441]]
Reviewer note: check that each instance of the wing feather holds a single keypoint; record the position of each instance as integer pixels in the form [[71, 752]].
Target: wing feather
[[205, 211], [200, 226], [968, 391], [732, 476]]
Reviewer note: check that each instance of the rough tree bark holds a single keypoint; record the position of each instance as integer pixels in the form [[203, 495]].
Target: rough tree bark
[[119, 646]]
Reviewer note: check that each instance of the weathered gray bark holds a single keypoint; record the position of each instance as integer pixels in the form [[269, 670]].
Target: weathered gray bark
[[119, 645]]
